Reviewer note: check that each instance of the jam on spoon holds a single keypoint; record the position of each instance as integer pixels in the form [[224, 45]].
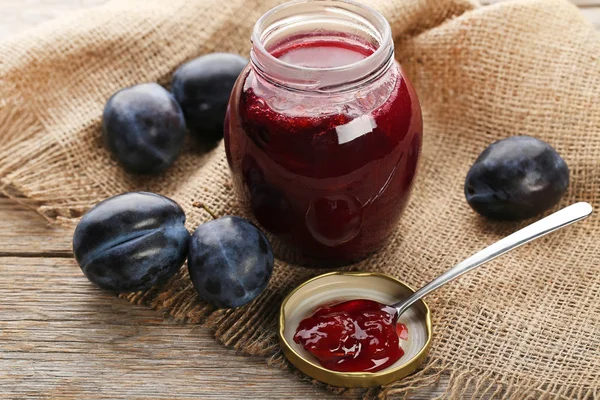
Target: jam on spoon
[[353, 336]]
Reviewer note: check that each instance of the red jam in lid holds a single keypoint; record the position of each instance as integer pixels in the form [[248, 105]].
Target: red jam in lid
[[353, 336]]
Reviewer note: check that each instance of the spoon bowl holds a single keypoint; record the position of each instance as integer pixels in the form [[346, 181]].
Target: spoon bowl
[[341, 286]]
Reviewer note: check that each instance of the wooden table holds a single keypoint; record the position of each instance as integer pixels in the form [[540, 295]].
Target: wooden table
[[60, 337]]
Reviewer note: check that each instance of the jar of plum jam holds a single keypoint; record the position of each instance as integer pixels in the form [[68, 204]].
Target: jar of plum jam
[[323, 131]]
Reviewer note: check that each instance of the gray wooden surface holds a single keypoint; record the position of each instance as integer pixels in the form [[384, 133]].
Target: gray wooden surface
[[62, 338]]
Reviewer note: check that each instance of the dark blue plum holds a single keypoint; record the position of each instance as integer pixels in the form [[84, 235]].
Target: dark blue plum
[[516, 178], [131, 242], [144, 127], [202, 87], [230, 261]]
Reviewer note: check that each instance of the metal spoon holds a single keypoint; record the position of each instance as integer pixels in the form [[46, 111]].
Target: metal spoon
[[559, 219]]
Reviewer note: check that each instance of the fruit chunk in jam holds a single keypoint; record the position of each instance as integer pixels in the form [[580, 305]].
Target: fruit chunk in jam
[[353, 336], [328, 171]]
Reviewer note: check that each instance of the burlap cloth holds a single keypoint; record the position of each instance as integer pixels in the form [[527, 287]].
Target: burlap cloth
[[525, 326]]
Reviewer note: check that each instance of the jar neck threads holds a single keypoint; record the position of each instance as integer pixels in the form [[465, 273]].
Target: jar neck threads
[[328, 19]]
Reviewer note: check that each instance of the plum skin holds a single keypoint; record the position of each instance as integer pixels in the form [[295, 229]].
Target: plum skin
[[144, 127], [230, 261], [202, 87], [131, 241], [516, 178]]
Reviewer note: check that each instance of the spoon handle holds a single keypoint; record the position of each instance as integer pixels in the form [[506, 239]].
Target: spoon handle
[[559, 219]]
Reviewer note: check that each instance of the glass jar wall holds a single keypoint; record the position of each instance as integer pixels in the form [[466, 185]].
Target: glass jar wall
[[324, 130]]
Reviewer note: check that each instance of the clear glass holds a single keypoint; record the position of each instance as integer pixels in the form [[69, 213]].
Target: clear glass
[[324, 131], [345, 19]]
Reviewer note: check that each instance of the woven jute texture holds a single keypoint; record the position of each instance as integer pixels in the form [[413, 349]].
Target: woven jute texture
[[524, 326]]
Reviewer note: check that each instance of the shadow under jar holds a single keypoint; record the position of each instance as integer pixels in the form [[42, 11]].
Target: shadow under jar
[[324, 131]]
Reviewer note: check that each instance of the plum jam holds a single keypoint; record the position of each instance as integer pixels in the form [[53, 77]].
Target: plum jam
[[353, 336], [324, 131]]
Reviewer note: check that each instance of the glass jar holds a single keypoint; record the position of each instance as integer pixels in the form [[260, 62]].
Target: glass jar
[[323, 132]]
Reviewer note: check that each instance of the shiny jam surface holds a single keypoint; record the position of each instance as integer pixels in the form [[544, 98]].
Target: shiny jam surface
[[319, 52], [328, 172], [353, 336]]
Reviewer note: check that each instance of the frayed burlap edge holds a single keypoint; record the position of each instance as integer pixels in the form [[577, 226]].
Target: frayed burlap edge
[[21, 131]]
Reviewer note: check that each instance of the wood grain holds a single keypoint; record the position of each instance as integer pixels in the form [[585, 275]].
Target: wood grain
[[60, 337], [24, 233]]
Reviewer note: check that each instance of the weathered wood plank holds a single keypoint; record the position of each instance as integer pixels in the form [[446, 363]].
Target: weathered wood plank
[[592, 15], [23, 232], [586, 3], [19, 15], [578, 3], [62, 337]]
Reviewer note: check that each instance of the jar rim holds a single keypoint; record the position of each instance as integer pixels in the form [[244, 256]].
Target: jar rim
[[380, 56]]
